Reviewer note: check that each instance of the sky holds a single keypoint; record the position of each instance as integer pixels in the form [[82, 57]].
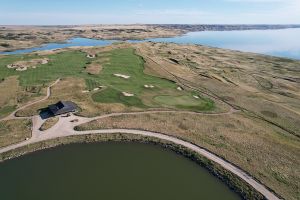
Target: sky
[[66, 12]]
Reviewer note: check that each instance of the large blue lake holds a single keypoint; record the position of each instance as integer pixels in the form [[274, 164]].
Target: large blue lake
[[284, 42]]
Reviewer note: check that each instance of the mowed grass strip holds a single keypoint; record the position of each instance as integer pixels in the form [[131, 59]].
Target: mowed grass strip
[[184, 102]]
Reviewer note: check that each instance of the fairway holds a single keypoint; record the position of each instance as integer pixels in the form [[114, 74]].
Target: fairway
[[126, 63], [183, 102], [120, 80]]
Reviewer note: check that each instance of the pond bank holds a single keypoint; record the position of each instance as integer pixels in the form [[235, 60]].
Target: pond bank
[[235, 183]]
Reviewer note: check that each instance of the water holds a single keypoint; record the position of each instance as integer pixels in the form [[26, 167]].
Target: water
[[108, 171], [74, 42], [283, 43]]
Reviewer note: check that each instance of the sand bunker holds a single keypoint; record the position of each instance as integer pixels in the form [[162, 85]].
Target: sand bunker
[[179, 88], [91, 56], [24, 65], [196, 97], [127, 94], [95, 89], [122, 76], [21, 68], [148, 86]]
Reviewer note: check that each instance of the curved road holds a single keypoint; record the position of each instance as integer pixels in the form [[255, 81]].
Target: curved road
[[13, 114], [65, 127]]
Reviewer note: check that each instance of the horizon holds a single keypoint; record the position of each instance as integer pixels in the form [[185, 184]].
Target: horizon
[[92, 12], [149, 24]]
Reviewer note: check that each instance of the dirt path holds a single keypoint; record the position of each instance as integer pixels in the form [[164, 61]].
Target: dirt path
[[65, 127], [13, 114]]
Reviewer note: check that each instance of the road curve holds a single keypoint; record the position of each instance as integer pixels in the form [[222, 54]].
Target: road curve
[[65, 127], [226, 165]]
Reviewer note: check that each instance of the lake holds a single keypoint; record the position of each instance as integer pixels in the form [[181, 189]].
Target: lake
[[283, 43], [108, 171]]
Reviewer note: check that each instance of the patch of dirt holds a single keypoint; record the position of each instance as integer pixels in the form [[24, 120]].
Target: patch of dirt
[[24, 65], [94, 68]]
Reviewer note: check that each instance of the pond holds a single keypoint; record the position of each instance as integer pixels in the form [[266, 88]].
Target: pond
[[108, 171]]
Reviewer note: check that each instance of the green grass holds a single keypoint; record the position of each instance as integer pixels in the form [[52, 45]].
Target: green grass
[[6, 110], [126, 62], [70, 63], [184, 102], [121, 61], [92, 83], [110, 95]]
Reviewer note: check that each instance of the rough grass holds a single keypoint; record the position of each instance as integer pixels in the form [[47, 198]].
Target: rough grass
[[259, 85], [235, 183], [71, 89], [49, 123], [267, 148], [265, 152], [4, 111], [14, 131], [121, 61], [12, 95]]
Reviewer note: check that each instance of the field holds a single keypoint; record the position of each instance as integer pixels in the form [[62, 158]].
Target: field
[[245, 107], [20, 37], [262, 150], [14, 131], [100, 88]]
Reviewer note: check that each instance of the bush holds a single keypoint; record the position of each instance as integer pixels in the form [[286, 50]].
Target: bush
[[4, 45]]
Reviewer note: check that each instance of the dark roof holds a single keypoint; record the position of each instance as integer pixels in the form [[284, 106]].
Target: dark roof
[[62, 107]]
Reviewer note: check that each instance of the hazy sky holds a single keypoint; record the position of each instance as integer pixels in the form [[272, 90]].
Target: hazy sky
[[52, 12]]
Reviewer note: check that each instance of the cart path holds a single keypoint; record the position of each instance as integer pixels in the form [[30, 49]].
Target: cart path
[[65, 127], [13, 114]]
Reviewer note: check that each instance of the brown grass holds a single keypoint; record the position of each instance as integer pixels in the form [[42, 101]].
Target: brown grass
[[49, 123], [14, 131], [13, 95], [93, 68], [9, 89], [70, 89], [26, 37], [268, 154], [254, 83]]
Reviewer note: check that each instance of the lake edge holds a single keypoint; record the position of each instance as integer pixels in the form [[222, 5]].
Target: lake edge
[[236, 184]]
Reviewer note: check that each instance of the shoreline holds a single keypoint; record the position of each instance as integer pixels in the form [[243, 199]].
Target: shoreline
[[236, 184], [14, 51]]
